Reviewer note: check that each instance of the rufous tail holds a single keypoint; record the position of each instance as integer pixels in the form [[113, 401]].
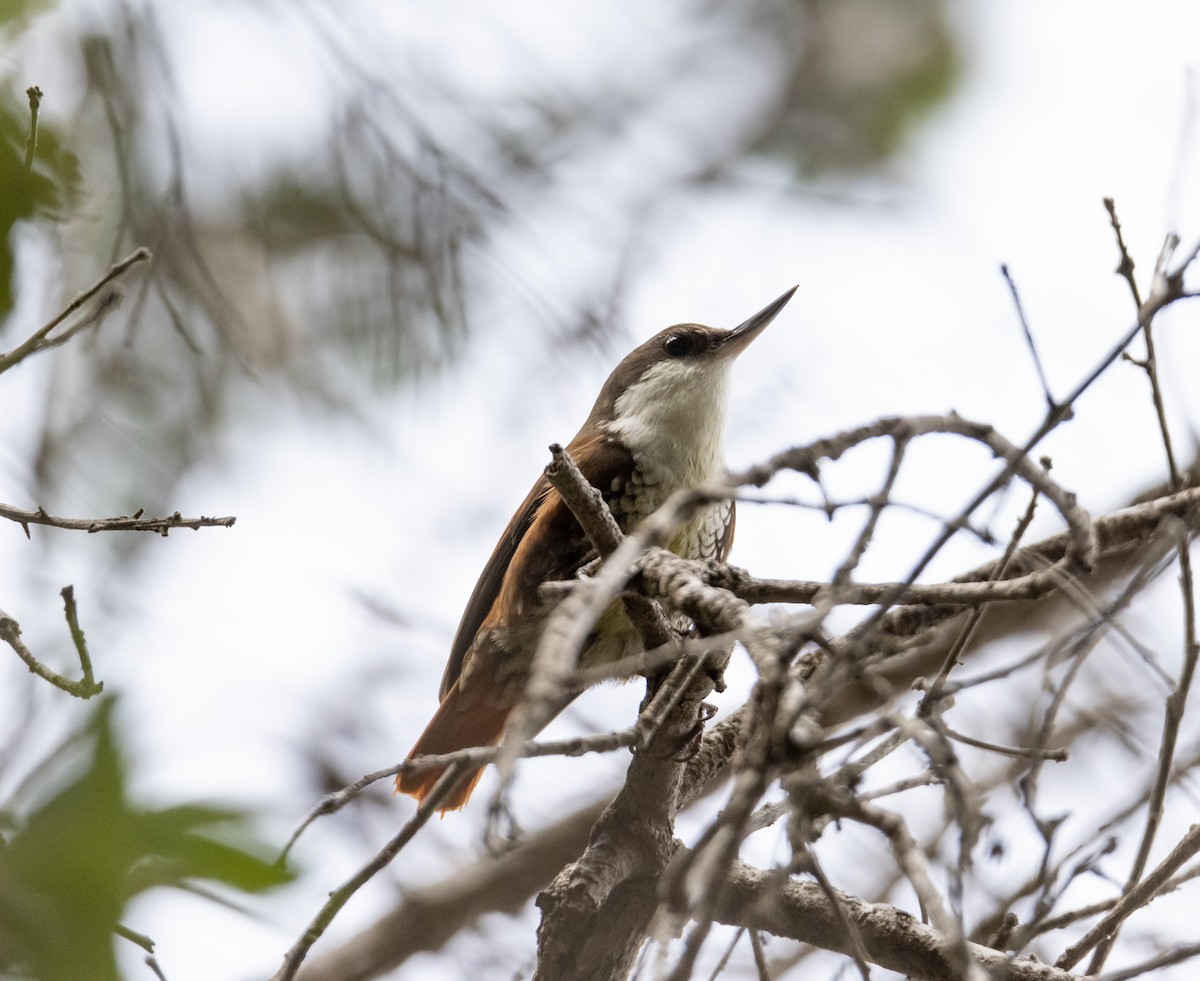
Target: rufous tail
[[465, 718]]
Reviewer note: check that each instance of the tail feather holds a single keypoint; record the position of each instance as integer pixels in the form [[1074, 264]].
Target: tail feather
[[464, 719]]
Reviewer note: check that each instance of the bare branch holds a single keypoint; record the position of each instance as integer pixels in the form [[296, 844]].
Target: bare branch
[[126, 522], [892, 939], [584, 500]]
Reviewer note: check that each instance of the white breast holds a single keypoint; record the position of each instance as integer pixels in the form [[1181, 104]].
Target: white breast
[[672, 420]]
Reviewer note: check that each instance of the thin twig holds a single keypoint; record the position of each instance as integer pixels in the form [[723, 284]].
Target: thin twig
[[878, 504], [1174, 955], [808, 861], [295, 955], [85, 659], [1177, 701], [1020, 752], [829, 506], [1028, 334], [1133, 899], [125, 522], [87, 687], [911, 860], [760, 957], [723, 962], [146, 944], [473, 757], [40, 339], [134, 937], [1125, 266], [1023, 934], [934, 691]]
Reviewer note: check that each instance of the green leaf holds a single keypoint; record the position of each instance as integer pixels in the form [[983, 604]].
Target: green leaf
[[76, 860], [190, 839]]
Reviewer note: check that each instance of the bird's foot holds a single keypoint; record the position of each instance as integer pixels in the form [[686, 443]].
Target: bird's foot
[[684, 746]]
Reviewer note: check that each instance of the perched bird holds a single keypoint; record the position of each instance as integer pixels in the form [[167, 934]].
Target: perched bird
[[658, 426]]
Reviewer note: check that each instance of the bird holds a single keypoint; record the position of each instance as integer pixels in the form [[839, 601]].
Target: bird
[[657, 427]]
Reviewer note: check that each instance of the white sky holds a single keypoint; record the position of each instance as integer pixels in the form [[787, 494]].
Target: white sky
[[237, 640]]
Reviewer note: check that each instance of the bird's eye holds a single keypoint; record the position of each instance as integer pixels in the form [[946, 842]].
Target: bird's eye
[[678, 345]]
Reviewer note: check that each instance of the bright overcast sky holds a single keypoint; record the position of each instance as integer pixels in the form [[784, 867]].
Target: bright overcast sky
[[901, 309]]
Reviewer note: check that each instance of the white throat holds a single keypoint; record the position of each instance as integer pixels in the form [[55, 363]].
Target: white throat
[[672, 419]]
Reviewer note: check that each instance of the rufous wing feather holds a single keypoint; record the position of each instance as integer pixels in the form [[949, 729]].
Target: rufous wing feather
[[475, 707], [490, 580], [466, 717]]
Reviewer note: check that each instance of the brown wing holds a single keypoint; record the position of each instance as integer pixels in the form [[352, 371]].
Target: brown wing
[[488, 587], [515, 571]]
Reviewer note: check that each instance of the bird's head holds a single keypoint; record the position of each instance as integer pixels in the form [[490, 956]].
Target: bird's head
[[667, 397]]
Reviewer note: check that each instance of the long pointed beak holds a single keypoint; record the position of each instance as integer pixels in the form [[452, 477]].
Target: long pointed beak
[[738, 339]]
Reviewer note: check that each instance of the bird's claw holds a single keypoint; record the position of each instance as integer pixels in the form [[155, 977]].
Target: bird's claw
[[682, 749]]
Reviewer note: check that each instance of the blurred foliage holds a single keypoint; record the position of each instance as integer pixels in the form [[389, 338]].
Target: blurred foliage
[[85, 850], [866, 74], [363, 259], [15, 13], [41, 190]]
